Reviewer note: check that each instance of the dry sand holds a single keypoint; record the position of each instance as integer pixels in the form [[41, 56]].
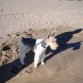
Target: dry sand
[[62, 65], [35, 18]]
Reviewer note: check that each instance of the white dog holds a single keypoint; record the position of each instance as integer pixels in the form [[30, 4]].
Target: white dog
[[38, 46]]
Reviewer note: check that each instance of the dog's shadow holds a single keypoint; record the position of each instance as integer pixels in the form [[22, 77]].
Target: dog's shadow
[[62, 41], [10, 70]]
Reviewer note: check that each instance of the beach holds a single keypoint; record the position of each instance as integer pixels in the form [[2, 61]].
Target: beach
[[35, 19]]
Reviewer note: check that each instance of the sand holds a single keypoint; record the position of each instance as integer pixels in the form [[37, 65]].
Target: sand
[[35, 19]]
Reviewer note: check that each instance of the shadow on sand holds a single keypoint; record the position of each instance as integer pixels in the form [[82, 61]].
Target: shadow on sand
[[10, 70], [62, 41]]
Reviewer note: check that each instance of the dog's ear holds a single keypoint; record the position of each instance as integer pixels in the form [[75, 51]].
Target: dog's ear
[[49, 34], [52, 34]]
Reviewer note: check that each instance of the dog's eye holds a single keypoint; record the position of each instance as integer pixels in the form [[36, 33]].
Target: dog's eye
[[53, 41]]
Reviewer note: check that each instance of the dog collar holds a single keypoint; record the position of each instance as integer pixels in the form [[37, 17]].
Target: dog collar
[[43, 44]]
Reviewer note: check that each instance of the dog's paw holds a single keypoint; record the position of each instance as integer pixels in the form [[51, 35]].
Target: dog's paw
[[22, 63], [35, 66], [42, 63]]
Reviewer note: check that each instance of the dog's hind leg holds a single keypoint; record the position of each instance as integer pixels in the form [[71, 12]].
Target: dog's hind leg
[[22, 56], [22, 53]]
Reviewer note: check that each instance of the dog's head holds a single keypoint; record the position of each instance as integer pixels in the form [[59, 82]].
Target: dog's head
[[50, 40]]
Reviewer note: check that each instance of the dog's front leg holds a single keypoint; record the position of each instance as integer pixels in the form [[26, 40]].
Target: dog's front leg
[[36, 60], [42, 58]]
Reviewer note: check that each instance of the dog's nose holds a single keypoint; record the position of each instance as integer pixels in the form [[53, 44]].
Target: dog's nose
[[55, 39], [57, 45]]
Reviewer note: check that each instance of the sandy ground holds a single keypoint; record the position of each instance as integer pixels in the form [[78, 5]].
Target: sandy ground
[[35, 18], [62, 65], [20, 15]]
